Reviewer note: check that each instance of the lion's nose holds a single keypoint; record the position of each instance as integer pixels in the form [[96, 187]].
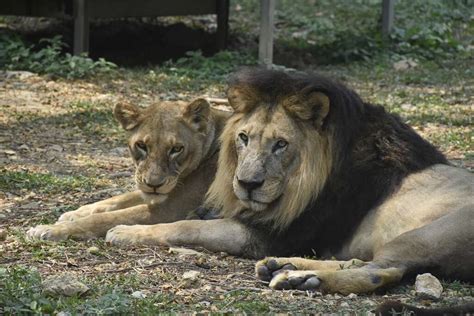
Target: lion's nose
[[250, 185]]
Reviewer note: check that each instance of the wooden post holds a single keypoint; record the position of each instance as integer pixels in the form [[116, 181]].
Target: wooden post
[[387, 16], [222, 23], [81, 27], [265, 47]]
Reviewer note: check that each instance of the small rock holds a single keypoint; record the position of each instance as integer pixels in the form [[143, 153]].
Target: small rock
[[405, 64], [352, 296], [406, 106], [19, 74], [9, 152], [344, 305], [56, 148], [65, 284], [191, 275], [428, 287], [24, 147], [93, 250], [138, 294], [3, 234], [190, 279], [185, 251]]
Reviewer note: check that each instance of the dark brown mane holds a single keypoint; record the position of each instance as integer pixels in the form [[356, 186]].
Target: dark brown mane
[[373, 151]]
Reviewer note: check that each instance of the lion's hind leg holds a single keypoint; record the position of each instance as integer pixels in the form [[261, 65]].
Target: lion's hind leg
[[359, 280], [267, 268]]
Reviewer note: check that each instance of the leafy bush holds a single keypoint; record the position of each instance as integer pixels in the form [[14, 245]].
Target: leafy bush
[[343, 31], [16, 55]]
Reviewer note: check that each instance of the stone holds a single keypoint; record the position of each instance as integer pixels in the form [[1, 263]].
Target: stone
[[185, 251], [352, 296], [63, 285], [138, 294], [405, 64], [191, 275], [93, 250], [428, 286], [3, 234]]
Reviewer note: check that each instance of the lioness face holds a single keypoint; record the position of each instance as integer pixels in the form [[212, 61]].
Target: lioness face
[[167, 141], [266, 145]]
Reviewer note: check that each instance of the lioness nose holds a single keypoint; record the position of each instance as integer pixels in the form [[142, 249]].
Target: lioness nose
[[154, 184], [250, 185]]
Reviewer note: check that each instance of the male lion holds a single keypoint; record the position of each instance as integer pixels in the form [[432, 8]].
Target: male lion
[[174, 146], [307, 167]]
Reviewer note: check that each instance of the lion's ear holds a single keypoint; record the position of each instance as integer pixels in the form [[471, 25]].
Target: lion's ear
[[197, 113], [313, 106], [128, 115], [241, 98]]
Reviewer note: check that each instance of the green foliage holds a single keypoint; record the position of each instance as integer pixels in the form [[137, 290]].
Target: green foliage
[[42, 182], [47, 58], [343, 31], [195, 71]]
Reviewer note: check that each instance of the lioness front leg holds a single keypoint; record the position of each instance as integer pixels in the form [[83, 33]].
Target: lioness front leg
[[118, 202], [215, 235], [94, 225]]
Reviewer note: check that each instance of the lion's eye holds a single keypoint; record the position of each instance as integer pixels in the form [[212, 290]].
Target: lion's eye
[[141, 146], [244, 138], [176, 150], [280, 145]]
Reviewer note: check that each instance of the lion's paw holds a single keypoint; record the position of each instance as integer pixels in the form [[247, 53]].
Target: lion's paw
[[47, 232], [123, 235], [268, 268], [298, 280]]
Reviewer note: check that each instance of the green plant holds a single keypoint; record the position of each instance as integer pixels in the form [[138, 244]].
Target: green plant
[[47, 58], [42, 182]]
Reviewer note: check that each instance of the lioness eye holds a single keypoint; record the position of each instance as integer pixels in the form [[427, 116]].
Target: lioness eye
[[141, 146], [280, 144], [176, 150], [244, 138]]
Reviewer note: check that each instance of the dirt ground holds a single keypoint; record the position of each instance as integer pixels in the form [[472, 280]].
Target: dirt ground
[[60, 148]]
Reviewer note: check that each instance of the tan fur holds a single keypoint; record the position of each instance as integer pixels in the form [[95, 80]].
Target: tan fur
[[160, 127], [301, 187]]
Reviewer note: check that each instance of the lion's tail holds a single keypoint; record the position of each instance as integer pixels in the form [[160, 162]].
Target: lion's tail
[[396, 308]]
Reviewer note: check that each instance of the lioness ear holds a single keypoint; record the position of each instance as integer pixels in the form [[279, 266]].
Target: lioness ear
[[241, 98], [128, 115], [197, 113], [312, 106]]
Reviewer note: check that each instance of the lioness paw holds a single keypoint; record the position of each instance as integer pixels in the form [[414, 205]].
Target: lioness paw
[[268, 268], [83, 211], [298, 280], [123, 235], [46, 232]]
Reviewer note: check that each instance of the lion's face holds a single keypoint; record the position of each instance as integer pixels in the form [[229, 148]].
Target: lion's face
[[167, 141], [275, 156], [267, 155]]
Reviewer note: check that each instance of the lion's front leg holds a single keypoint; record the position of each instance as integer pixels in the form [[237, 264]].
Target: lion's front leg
[[269, 267], [115, 203], [94, 225], [359, 280], [215, 235]]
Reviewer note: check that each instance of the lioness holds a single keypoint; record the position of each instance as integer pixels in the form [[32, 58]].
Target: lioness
[[307, 167], [174, 147]]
